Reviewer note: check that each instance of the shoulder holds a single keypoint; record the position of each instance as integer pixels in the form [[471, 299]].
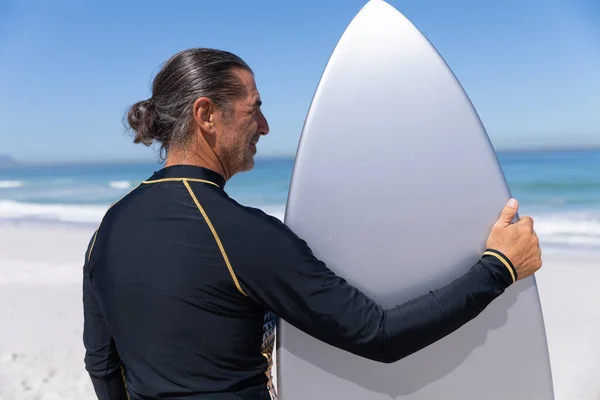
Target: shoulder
[[257, 224], [258, 217]]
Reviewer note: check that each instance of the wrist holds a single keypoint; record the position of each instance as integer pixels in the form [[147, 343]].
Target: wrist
[[500, 263]]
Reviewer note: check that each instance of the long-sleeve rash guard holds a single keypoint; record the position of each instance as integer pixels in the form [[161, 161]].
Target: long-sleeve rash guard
[[181, 285]]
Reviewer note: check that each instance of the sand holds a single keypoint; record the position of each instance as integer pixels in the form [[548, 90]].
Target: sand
[[41, 351]]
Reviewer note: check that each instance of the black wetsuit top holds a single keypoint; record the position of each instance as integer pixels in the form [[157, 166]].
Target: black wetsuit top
[[181, 284]]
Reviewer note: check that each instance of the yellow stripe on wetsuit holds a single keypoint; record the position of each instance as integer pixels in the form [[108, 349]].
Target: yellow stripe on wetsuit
[[208, 222], [503, 260]]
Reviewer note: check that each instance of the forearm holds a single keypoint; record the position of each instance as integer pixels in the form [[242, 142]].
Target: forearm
[[422, 321]]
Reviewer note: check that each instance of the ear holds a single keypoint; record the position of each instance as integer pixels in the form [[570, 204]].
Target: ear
[[204, 111]]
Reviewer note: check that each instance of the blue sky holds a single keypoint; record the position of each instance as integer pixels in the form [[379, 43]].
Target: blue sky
[[69, 69]]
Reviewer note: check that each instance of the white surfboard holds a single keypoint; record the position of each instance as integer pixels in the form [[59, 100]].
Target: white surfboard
[[394, 167]]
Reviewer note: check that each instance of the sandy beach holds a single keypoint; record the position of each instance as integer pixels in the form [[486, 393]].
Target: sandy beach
[[41, 351]]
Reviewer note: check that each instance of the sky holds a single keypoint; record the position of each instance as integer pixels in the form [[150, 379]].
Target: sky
[[70, 69]]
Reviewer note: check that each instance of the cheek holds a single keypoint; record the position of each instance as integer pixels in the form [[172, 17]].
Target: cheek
[[247, 130], [238, 134], [236, 138]]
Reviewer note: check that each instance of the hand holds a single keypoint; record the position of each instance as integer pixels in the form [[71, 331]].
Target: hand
[[517, 241]]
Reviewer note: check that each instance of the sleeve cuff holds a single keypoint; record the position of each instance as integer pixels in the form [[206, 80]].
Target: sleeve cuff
[[110, 388], [510, 268]]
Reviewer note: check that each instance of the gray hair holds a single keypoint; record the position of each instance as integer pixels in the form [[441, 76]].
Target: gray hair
[[166, 116]]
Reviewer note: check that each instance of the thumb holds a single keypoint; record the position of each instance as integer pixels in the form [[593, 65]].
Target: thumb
[[508, 212]]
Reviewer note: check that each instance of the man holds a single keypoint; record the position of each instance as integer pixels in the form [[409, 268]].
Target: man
[[181, 281]]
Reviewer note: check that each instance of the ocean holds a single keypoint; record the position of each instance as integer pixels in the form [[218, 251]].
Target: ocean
[[559, 189]]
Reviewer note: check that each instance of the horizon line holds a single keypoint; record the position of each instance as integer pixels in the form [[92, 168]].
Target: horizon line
[[270, 156]]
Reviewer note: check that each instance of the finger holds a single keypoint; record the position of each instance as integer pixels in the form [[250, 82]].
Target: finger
[[508, 213], [526, 221]]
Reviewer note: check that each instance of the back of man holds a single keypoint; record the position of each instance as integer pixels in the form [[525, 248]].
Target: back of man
[[176, 324]]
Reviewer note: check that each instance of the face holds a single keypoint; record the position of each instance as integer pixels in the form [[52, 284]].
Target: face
[[239, 133]]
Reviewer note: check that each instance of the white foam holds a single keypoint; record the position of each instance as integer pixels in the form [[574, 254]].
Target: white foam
[[10, 209], [120, 184], [580, 228], [11, 184]]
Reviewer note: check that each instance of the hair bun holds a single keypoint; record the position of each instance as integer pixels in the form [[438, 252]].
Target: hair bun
[[141, 118]]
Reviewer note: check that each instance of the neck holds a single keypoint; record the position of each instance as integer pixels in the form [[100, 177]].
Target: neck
[[208, 160]]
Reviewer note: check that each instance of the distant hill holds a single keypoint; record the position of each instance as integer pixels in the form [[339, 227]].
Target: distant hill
[[6, 160]]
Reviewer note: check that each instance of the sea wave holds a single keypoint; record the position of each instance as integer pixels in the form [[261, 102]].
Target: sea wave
[[573, 223], [11, 184], [78, 213], [559, 228], [10, 209], [119, 184], [569, 228]]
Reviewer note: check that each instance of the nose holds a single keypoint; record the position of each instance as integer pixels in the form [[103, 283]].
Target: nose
[[263, 125]]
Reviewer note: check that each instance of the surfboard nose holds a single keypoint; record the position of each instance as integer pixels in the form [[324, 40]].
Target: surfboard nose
[[379, 8]]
